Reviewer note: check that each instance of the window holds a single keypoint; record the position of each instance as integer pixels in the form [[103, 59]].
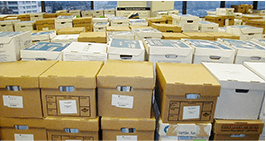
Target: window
[[34, 11], [261, 5], [34, 2], [98, 5], [28, 2], [34, 6], [13, 7], [12, 3], [179, 6], [28, 7], [28, 11], [53, 6], [200, 8]]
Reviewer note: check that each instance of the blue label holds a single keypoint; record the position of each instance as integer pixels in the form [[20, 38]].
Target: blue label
[[237, 135], [166, 43], [41, 33], [207, 44], [184, 137], [243, 44], [9, 34], [125, 43], [46, 46]]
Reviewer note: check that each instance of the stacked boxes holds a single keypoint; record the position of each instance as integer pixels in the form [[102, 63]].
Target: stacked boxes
[[24, 17], [147, 33], [119, 21], [66, 38], [43, 36], [86, 14], [205, 26], [45, 24], [216, 19], [6, 26], [99, 20], [167, 28], [83, 22], [93, 13], [158, 20], [36, 16], [245, 32], [257, 23], [225, 11], [157, 6], [75, 12], [245, 8], [125, 102], [24, 26], [188, 23], [96, 37], [100, 26], [71, 30], [64, 22]]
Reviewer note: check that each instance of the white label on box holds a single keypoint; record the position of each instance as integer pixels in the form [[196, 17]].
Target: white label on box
[[13, 101], [127, 138], [24, 137], [122, 101], [46, 28], [68, 106], [191, 112], [168, 138]]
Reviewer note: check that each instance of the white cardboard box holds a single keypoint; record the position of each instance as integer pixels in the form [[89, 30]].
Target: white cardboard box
[[205, 26], [6, 26], [237, 22], [256, 67], [119, 21], [132, 4], [100, 26], [125, 49], [147, 33], [75, 12], [187, 22], [64, 22], [211, 51], [259, 41], [36, 16], [222, 29], [225, 11], [43, 51], [245, 32], [108, 15], [78, 51], [93, 13], [68, 38], [161, 6], [86, 13], [159, 14], [99, 20], [184, 132], [246, 51], [120, 35], [11, 43], [109, 11], [24, 26], [174, 12], [241, 94], [158, 50], [143, 12], [43, 36], [138, 22]]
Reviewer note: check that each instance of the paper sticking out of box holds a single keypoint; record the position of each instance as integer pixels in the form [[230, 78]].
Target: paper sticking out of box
[[147, 33], [65, 38], [205, 26], [43, 51], [81, 51], [120, 35], [138, 22], [100, 26], [43, 36]]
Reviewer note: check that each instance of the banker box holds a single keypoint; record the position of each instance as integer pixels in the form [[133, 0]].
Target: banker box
[[125, 89], [24, 26], [19, 90], [205, 26], [64, 22], [120, 35], [241, 93], [99, 20], [187, 22], [216, 19], [109, 11], [245, 32], [142, 33], [49, 15], [81, 51], [259, 41], [174, 36], [100, 26], [117, 28], [119, 21], [83, 22], [138, 22], [225, 11], [211, 51], [45, 24], [223, 35], [6, 26], [12, 43], [36, 16], [167, 28], [75, 12], [42, 36], [66, 38], [69, 89], [71, 30], [96, 37], [24, 17], [187, 96]]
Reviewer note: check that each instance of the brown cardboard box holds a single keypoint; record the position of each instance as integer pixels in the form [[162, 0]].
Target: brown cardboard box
[[237, 129], [158, 20], [72, 128], [216, 19], [231, 19], [225, 35], [235, 8], [141, 27], [117, 28], [24, 17], [199, 35], [114, 128], [71, 30], [79, 101], [26, 100], [169, 19], [22, 129], [245, 8], [97, 37], [187, 95], [45, 24], [63, 14], [125, 89], [174, 36], [167, 28], [10, 18], [49, 15], [83, 22], [257, 23]]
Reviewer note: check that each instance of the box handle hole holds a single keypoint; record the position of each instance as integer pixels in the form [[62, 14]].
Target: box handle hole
[[21, 127], [189, 21], [128, 130], [66, 88], [255, 58], [70, 130], [124, 88], [126, 57], [192, 96], [13, 88], [215, 57], [242, 91], [170, 56]]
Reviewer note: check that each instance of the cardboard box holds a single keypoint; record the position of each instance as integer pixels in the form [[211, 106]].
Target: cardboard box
[[24, 26], [93, 13], [225, 11], [187, 22], [49, 15], [36, 16], [97, 37], [205, 26], [242, 91], [125, 49], [187, 97], [216, 19], [64, 22], [43, 51], [61, 11], [132, 4], [71, 30], [45, 24], [174, 36], [10, 18], [246, 51], [72, 128], [225, 35], [66, 38], [114, 128], [41, 36], [245, 32], [108, 15], [137, 27], [191, 131], [128, 93], [161, 6], [158, 20], [70, 92], [257, 23], [109, 11], [199, 36], [19, 90], [12, 43], [64, 14], [256, 67], [158, 50], [222, 30], [174, 12], [119, 21], [237, 22], [138, 22], [99, 20], [147, 33], [75, 12], [22, 129], [100, 27], [159, 14], [259, 41], [229, 20], [78, 51], [237, 129], [211, 51], [144, 12], [117, 28], [120, 35], [167, 28], [83, 22], [24, 17], [6, 26], [86, 13]]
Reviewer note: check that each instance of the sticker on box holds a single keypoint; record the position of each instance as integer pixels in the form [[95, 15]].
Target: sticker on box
[[127, 138], [122, 101], [191, 112], [24, 137], [13, 101], [68, 106]]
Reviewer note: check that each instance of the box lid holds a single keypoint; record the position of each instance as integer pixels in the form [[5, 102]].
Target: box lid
[[244, 29], [80, 74], [23, 73], [206, 22], [198, 35], [138, 21], [45, 21], [117, 28], [71, 30], [113, 34], [223, 34], [31, 23], [147, 32], [20, 16], [87, 48], [22, 124], [139, 124], [82, 20], [94, 35], [256, 67], [74, 123], [101, 24], [125, 47], [235, 76], [181, 79], [239, 44], [238, 126], [174, 36], [137, 74]]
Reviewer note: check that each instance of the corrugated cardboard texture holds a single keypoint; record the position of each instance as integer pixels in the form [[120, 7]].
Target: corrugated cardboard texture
[[117, 28], [225, 35], [175, 36], [83, 20], [71, 30], [199, 35], [167, 28], [97, 37]]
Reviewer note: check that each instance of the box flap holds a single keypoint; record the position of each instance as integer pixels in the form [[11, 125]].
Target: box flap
[[80, 123], [256, 67], [87, 48], [23, 73], [80, 74], [238, 126], [137, 74], [19, 122], [181, 79], [125, 47]]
